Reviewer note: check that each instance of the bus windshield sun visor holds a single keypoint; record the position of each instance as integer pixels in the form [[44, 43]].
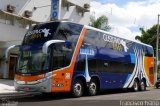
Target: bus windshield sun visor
[[48, 43]]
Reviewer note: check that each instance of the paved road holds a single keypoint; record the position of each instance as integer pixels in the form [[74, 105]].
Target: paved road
[[107, 98]]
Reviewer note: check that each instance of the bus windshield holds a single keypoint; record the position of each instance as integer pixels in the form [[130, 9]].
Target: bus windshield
[[32, 62]]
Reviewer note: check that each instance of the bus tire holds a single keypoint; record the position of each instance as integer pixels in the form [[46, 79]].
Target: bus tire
[[135, 86], [93, 87], [157, 86], [77, 88], [142, 85]]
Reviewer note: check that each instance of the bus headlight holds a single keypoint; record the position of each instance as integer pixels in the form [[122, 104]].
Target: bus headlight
[[21, 82]]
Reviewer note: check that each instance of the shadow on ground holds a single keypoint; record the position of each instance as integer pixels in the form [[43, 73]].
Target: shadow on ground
[[61, 96]]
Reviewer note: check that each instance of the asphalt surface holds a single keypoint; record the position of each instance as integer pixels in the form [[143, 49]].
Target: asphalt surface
[[151, 97]]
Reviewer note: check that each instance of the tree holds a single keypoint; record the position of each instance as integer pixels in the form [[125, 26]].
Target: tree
[[148, 36], [100, 23]]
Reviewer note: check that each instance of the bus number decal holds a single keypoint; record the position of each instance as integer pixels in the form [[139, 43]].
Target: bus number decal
[[87, 52], [58, 85]]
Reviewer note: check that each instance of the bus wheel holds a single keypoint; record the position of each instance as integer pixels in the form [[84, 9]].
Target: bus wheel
[[78, 88], [92, 88], [157, 86], [135, 86], [142, 85]]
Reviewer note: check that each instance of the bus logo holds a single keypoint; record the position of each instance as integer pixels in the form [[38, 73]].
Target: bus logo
[[46, 32], [39, 31], [116, 41]]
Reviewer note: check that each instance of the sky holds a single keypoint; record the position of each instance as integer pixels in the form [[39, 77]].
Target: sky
[[127, 16]]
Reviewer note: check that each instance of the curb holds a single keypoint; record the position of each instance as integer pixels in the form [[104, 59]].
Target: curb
[[150, 88]]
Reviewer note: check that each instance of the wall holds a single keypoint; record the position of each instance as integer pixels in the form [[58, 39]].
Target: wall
[[40, 14], [75, 16], [80, 2], [11, 33], [19, 4]]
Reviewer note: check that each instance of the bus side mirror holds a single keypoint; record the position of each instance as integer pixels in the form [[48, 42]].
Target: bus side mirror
[[48, 43], [7, 52]]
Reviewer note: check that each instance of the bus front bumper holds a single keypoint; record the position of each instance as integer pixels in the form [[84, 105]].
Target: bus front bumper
[[33, 86]]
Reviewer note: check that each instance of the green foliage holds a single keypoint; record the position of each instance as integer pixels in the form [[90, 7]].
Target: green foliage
[[100, 23], [148, 36]]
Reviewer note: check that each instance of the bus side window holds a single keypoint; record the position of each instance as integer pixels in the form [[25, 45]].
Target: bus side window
[[80, 65], [61, 55], [148, 52], [92, 65]]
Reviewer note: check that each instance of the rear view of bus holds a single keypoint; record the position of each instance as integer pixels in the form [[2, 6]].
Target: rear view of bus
[[47, 47]]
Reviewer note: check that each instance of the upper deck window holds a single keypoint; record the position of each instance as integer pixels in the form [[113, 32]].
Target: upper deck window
[[54, 30]]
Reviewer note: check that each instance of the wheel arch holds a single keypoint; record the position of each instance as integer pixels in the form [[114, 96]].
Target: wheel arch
[[80, 77], [137, 79], [145, 81], [98, 80]]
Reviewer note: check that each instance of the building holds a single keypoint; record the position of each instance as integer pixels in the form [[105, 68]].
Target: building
[[16, 16], [72, 10]]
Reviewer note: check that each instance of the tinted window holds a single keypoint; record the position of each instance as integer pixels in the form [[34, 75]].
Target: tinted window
[[90, 37], [40, 33], [69, 32], [92, 65], [99, 65], [148, 52], [80, 65], [103, 49], [115, 67], [61, 55], [63, 52], [55, 30]]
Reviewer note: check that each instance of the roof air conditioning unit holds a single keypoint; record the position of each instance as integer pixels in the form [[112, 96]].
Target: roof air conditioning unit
[[10, 8], [86, 6], [27, 13]]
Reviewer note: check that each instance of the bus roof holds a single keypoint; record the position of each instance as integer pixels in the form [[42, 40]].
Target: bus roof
[[89, 27]]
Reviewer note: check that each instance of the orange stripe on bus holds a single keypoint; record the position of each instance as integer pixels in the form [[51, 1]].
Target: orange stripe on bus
[[29, 78], [78, 48]]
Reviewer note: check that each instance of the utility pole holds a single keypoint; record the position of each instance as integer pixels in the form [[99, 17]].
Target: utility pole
[[157, 44]]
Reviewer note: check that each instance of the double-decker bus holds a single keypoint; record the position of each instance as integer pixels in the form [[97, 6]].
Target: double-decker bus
[[69, 57]]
